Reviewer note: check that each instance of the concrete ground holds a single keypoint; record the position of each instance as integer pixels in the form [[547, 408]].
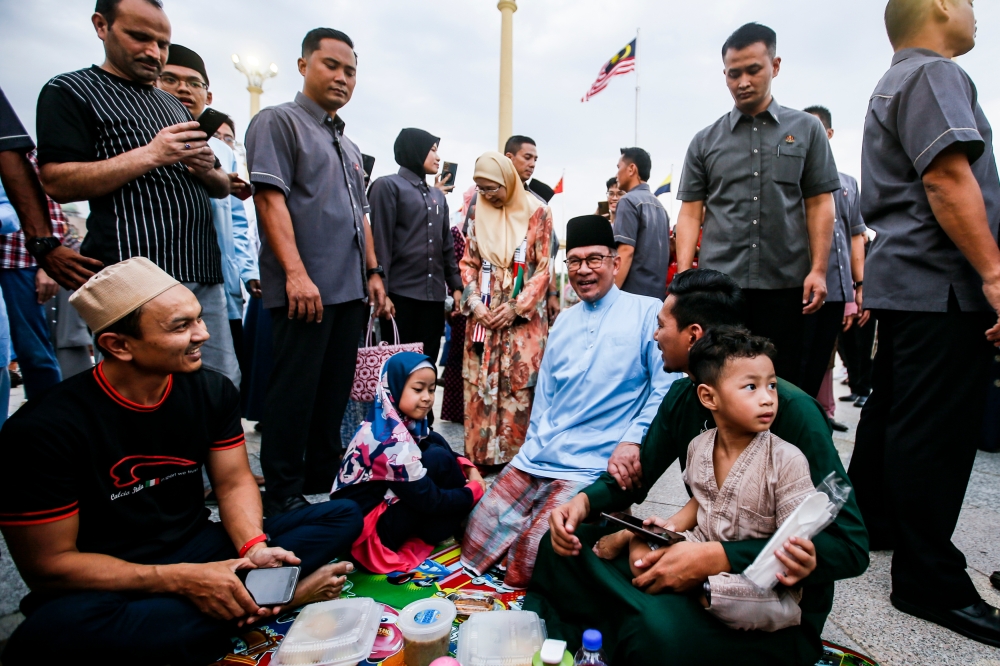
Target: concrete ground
[[862, 617]]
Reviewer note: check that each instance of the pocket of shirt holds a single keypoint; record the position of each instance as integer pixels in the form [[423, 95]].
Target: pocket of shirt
[[789, 162], [755, 526]]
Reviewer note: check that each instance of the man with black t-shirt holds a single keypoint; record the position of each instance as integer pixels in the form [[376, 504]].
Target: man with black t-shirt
[[106, 134], [101, 498]]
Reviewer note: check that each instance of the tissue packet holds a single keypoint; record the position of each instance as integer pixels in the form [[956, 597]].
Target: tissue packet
[[809, 519]]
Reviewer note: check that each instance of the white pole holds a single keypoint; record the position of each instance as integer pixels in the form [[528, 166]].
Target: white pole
[[636, 87]]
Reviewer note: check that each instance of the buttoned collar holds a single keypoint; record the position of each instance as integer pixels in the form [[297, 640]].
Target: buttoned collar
[[319, 113], [412, 177], [773, 109], [900, 56], [606, 302]]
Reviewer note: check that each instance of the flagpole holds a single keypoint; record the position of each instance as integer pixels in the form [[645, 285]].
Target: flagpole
[[636, 86]]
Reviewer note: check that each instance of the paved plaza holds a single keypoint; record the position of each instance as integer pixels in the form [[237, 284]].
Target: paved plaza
[[862, 617]]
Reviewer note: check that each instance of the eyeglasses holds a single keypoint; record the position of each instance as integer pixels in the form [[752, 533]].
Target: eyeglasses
[[614, 194], [594, 262], [173, 82], [488, 190], [230, 140]]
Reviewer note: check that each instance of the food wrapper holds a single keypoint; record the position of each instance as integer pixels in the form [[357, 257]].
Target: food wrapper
[[809, 519]]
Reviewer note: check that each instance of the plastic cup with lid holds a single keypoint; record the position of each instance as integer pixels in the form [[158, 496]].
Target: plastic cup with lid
[[426, 628]]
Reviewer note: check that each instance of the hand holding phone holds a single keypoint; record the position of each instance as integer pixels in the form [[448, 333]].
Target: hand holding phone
[[652, 533], [210, 121], [270, 587]]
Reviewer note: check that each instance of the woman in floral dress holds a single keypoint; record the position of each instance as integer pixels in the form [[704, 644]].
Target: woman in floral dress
[[506, 272]]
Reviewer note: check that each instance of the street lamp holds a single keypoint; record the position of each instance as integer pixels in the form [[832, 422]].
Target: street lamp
[[255, 79]]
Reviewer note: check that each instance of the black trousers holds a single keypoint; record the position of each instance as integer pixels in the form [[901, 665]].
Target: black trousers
[[776, 314], [165, 628], [417, 321], [236, 328], [819, 337], [306, 397], [855, 347], [916, 445]]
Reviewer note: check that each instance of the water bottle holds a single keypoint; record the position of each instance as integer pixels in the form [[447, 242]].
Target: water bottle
[[591, 653]]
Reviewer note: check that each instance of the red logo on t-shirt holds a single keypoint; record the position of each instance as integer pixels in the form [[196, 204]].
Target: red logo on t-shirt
[[135, 469]]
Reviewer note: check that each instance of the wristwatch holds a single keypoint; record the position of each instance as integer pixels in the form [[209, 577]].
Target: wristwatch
[[378, 270], [39, 247], [858, 283]]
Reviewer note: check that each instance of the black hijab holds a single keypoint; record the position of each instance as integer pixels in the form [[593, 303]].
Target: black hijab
[[411, 149]]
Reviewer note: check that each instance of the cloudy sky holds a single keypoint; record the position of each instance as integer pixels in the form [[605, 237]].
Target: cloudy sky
[[434, 64]]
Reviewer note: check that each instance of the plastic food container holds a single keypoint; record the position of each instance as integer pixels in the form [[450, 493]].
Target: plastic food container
[[506, 638], [426, 627], [332, 633]]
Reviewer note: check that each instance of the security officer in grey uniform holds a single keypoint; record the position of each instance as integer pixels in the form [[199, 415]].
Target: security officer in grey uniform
[[930, 190]]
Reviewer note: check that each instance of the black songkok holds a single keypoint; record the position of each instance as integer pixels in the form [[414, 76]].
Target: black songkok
[[588, 230], [182, 56], [541, 189]]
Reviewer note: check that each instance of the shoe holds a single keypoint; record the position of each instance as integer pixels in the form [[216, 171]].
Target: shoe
[[980, 621], [275, 506], [860, 402], [849, 398], [838, 426], [995, 579], [15, 379]]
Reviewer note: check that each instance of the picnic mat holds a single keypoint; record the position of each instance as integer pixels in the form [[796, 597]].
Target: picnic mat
[[440, 575]]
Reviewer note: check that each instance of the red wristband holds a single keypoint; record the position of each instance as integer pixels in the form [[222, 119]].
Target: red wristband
[[251, 543]]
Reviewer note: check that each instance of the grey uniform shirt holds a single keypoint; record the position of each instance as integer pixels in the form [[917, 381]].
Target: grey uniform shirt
[[298, 148], [754, 175], [924, 104], [839, 279], [642, 222], [413, 242]]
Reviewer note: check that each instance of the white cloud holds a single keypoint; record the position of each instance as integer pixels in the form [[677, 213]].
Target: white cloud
[[434, 64]]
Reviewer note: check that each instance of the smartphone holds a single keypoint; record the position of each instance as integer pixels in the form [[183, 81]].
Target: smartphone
[[210, 121], [650, 532], [246, 192], [449, 168], [368, 163], [270, 587], [603, 209]]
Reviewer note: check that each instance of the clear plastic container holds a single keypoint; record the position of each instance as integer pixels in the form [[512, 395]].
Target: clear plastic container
[[426, 627], [332, 633], [505, 638]]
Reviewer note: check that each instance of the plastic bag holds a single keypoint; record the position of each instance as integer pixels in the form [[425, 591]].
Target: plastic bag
[[809, 519]]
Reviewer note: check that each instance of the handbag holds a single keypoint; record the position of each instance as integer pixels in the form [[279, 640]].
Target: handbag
[[370, 360]]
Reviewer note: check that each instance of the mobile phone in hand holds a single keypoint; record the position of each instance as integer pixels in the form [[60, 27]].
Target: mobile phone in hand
[[449, 173], [210, 121], [649, 532], [270, 587]]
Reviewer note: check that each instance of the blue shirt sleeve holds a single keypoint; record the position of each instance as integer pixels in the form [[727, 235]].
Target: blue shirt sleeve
[[246, 257], [659, 382]]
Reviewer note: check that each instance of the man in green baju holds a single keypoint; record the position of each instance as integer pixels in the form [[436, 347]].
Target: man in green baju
[[651, 619]]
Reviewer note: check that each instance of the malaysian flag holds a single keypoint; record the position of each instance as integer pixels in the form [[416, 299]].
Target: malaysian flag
[[622, 63]]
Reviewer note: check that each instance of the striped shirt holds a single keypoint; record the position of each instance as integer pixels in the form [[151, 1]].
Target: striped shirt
[[164, 215]]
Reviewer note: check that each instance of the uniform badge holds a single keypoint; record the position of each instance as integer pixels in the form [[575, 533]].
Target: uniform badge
[[789, 139]]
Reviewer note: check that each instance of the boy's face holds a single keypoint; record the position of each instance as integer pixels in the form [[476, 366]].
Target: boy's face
[[746, 394]]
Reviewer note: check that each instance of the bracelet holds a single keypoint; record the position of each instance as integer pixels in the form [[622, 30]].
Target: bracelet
[[858, 283], [251, 543], [553, 293]]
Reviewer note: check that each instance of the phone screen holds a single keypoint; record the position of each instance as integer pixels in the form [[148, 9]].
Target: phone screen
[[635, 525], [272, 587], [449, 168], [603, 208]]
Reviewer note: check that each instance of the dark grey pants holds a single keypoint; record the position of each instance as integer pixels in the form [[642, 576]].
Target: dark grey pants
[[306, 397], [916, 446]]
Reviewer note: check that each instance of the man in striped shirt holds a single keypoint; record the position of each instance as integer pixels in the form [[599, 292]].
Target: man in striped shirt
[[108, 135]]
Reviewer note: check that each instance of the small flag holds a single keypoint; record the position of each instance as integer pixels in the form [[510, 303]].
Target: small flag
[[665, 186], [623, 62], [479, 332], [559, 187]]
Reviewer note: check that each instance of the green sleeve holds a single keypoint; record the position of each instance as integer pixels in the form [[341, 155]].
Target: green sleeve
[[660, 448], [842, 548]]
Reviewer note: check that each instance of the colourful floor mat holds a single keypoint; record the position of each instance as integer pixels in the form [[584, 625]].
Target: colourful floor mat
[[441, 575]]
